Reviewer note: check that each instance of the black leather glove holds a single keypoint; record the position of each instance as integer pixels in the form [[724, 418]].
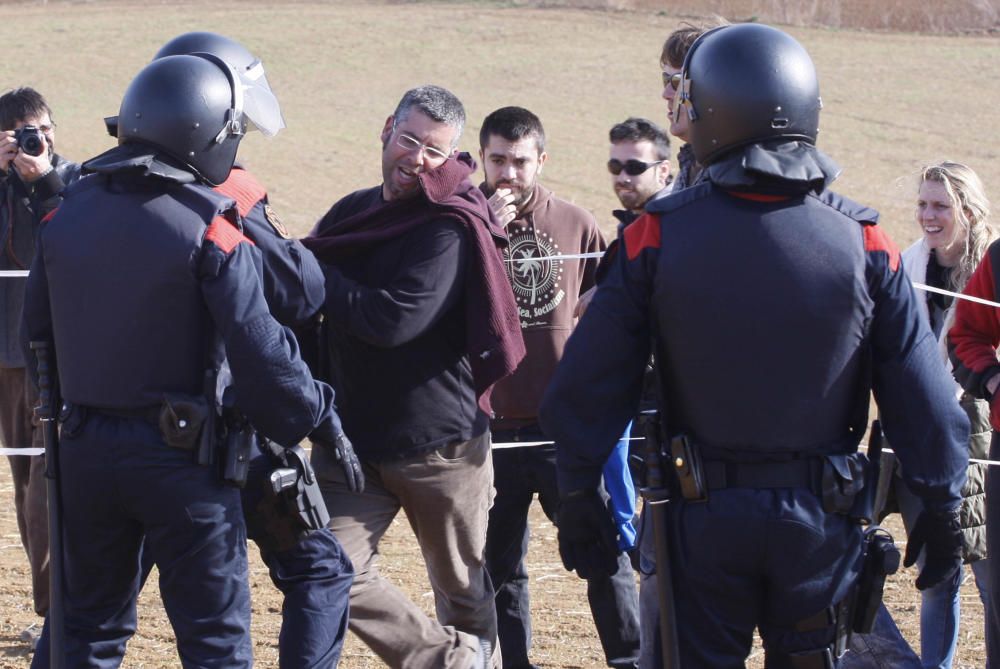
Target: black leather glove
[[940, 536], [344, 452], [587, 534]]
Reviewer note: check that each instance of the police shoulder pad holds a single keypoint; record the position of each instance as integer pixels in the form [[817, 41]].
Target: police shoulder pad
[[848, 207], [225, 235]]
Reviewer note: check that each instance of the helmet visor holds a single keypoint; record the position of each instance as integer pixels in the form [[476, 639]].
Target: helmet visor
[[260, 107]]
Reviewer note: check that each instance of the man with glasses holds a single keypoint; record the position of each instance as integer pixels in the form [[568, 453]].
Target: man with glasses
[[639, 164], [32, 176], [419, 323], [540, 226]]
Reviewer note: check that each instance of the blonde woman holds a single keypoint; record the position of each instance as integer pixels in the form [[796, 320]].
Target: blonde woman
[[953, 214]]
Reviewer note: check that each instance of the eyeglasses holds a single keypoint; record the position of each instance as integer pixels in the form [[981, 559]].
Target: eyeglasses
[[673, 80], [633, 167], [409, 143]]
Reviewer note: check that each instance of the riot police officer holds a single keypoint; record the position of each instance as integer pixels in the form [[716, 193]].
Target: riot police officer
[[774, 307], [307, 564], [146, 285]]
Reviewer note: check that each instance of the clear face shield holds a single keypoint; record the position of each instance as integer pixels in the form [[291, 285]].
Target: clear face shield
[[253, 102], [260, 107], [254, 105]]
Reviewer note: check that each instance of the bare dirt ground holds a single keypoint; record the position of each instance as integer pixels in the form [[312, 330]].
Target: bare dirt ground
[[891, 103], [564, 632]]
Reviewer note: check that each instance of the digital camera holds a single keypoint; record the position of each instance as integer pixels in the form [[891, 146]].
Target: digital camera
[[29, 138]]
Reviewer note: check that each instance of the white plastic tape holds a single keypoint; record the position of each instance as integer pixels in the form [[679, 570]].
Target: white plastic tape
[[22, 451]]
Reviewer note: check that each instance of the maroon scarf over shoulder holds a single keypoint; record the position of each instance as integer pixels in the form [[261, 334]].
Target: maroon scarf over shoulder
[[492, 323]]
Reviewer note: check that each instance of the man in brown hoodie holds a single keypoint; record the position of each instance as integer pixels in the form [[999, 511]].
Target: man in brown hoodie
[[539, 226]]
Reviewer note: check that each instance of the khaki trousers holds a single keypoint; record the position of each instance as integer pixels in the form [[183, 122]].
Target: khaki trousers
[[17, 430], [446, 495]]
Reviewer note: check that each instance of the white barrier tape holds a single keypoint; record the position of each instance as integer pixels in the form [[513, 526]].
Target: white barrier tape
[[22, 451], [521, 444], [862, 447], [526, 444], [569, 256], [961, 296], [511, 444], [978, 461], [599, 254]]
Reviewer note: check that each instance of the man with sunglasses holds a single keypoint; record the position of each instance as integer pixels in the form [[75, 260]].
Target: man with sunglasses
[[540, 226], [31, 180], [419, 324], [639, 164]]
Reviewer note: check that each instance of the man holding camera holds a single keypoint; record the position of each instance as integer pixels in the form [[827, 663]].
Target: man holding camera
[[32, 176]]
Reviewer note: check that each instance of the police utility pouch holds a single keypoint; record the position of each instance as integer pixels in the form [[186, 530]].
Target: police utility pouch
[[181, 420], [842, 482], [688, 467]]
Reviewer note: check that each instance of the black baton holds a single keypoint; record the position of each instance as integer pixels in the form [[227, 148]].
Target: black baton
[[656, 497], [47, 412]]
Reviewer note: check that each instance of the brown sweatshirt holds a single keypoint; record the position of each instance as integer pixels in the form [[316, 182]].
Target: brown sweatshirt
[[546, 292]]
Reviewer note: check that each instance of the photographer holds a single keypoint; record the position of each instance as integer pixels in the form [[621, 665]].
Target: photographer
[[32, 176]]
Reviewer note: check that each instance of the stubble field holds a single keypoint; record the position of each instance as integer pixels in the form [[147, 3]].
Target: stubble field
[[891, 103]]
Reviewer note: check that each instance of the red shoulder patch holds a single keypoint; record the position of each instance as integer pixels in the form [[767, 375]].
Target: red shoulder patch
[[641, 234], [48, 216], [877, 240], [244, 188], [225, 235]]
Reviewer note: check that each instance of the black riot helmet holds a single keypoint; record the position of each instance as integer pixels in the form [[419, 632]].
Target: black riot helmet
[[747, 83], [190, 108], [260, 105]]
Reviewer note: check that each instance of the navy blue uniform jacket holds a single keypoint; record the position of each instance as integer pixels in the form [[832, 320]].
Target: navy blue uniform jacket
[[773, 317], [134, 280]]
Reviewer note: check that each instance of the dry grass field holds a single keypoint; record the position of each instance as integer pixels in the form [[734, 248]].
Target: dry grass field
[[892, 102]]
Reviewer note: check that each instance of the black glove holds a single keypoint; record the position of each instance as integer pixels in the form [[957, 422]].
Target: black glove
[[587, 534], [344, 452], [940, 535]]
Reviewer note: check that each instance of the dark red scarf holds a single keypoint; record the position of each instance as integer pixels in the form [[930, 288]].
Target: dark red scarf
[[493, 329]]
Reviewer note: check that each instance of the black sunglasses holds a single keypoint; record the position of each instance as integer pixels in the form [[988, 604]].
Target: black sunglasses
[[672, 80], [633, 167]]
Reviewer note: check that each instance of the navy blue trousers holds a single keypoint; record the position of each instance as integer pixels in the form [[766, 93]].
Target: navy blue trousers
[[310, 569], [122, 486], [748, 559], [883, 648], [519, 473]]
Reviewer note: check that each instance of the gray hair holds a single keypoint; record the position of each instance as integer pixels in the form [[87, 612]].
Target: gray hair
[[438, 103]]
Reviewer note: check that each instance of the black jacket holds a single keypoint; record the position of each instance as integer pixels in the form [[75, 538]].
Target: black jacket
[[395, 319], [22, 208]]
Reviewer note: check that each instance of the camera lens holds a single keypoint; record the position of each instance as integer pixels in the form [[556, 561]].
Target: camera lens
[[29, 138], [32, 145]]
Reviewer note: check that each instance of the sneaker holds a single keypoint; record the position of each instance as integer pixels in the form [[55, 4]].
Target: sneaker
[[31, 634]]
